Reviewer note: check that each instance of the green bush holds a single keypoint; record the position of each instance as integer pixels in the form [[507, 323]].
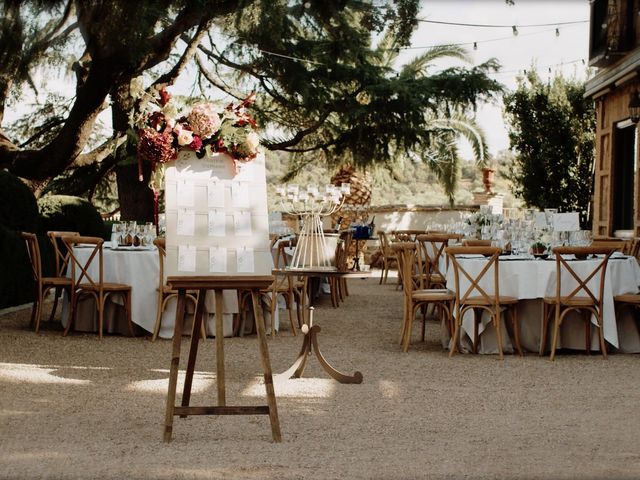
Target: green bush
[[67, 213], [18, 206], [16, 277], [18, 212]]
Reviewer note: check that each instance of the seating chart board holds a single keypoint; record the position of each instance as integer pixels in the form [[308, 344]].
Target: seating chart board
[[217, 219]]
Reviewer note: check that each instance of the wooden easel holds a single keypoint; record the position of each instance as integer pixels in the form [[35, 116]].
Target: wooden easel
[[217, 284]]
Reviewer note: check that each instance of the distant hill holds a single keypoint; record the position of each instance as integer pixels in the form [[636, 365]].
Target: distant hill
[[412, 183]]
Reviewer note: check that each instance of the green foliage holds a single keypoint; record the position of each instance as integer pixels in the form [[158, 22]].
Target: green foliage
[[552, 131], [18, 207], [67, 213], [18, 212], [16, 278]]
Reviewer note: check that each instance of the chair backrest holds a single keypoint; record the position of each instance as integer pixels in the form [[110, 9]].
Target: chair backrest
[[342, 249], [385, 245], [472, 242], [490, 267], [161, 245], [618, 245], [61, 254], [572, 282], [33, 251], [431, 250], [407, 264], [406, 235], [281, 260], [80, 269]]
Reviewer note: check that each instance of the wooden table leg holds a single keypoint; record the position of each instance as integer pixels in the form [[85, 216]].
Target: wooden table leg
[[339, 376], [193, 350], [266, 366], [175, 363], [222, 399]]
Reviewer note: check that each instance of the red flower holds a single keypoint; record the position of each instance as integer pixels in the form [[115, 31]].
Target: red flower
[[196, 144], [164, 97]]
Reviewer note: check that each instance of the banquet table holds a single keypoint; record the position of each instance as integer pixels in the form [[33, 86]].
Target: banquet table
[[140, 268], [530, 280]]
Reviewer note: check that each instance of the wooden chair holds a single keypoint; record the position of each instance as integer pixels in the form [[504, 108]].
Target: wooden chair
[[431, 251], [286, 287], [615, 244], [42, 284], [85, 283], [478, 299], [574, 294], [442, 300], [61, 255], [166, 293], [406, 235], [472, 242], [338, 286], [388, 256]]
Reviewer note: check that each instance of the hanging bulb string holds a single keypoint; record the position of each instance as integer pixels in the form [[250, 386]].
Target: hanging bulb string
[[486, 25]]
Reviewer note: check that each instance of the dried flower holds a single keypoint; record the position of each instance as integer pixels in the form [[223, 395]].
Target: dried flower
[[204, 119], [155, 146]]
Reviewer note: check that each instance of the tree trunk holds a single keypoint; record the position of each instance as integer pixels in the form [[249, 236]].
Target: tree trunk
[[136, 198]]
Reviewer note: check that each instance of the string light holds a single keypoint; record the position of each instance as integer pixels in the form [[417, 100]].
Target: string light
[[486, 25], [475, 45], [515, 30], [557, 32]]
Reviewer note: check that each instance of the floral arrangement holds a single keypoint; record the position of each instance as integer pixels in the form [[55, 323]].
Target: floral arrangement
[[206, 128], [480, 219]]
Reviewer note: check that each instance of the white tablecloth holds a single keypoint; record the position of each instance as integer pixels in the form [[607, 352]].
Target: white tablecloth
[[140, 269], [531, 280]]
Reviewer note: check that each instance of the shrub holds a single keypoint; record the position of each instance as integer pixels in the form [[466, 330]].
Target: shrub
[[18, 206], [67, 213], [18, 212]]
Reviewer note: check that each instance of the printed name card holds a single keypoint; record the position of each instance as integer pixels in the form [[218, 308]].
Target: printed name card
[[217, 260], [540, 220], [240, 194], [217, 222], [185, 194], [242, 223], [186, 222], [245, 260], [187, 258], [566, 222], [215, 194]]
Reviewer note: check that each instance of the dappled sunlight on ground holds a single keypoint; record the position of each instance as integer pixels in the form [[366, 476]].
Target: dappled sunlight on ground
[[296, 387], [201, 381], [20, 372]]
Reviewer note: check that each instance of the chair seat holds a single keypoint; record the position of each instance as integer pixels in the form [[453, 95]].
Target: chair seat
[[628, 298], [437, 279], [481, 301], [433, 295], [105, 286], [56, 281], [572, 302]]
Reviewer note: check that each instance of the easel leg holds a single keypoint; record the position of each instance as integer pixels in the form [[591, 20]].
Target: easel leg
[[222, 399], [193, 351], [266, 366], [175, 362]]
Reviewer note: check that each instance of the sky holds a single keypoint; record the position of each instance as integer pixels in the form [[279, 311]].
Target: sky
[[539, 45]]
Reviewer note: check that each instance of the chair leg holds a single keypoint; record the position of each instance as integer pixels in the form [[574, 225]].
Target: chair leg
[[516, 328], [603, 345], [586, 315], [56, 295], [100, 301], [544, 326], [498, 324], [159, 309], [289, 299], [409, 327], [556, 333], [456, 335], [127, 304]]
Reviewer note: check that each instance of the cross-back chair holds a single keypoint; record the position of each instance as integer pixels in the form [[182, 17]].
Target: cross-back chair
[[408, 235], [388, 256], [61, 256], [431, 251], [442, 300], [166, 293], [577, 290], [473, 242], [478, 293], [338, 286], [88, 280], [617, 245], [42, 284]]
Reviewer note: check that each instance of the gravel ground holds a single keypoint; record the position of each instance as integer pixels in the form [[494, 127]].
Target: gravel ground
[[78, 407]]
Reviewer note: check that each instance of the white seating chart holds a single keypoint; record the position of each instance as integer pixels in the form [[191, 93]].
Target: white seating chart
[[217, 220]]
